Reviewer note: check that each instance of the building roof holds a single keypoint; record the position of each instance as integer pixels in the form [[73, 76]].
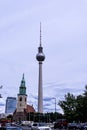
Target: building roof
[[30, 108]]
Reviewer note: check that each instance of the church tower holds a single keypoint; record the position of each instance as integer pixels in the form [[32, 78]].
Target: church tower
[[22, 96], [22, 108]]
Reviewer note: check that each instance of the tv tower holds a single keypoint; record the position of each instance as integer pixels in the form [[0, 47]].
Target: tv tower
[[40, 58]]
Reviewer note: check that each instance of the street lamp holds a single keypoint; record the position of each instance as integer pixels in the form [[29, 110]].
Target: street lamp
[[55, 103], [55, 108], [1, 88]]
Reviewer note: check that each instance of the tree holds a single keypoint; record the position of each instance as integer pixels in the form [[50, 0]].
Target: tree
[[80, 108], [75, 108], [69, 106], [85, 91], [85, 104], [10, 117]]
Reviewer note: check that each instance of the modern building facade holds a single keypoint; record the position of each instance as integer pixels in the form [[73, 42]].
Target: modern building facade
[[40, 58], [10, 105]]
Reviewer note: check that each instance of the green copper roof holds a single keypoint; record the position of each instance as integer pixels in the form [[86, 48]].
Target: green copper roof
[[22, 89], [23, 82]]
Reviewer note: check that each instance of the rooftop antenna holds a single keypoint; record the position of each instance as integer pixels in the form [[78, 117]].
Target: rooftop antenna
[[40, 33]]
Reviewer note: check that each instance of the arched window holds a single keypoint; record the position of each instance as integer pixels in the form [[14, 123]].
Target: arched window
[[25, 99], [20, 99]]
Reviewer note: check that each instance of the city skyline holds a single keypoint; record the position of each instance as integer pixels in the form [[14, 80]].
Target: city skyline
[[64, 29]]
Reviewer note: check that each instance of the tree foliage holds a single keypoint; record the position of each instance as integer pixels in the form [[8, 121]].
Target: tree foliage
[[75, 108], [68, 105]]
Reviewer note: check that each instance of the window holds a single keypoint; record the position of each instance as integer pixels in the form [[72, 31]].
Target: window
[[20, 99]]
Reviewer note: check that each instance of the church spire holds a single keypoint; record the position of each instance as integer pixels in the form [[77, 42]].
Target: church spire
[[23, 81], [22, 89]]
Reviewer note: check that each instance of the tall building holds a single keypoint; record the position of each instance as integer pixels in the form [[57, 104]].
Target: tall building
[[10, 105], [40, 58]]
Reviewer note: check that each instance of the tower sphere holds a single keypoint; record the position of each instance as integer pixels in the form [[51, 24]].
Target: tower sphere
[[40, 57]]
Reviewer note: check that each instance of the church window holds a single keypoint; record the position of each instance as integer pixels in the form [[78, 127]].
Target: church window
[[20, 99]]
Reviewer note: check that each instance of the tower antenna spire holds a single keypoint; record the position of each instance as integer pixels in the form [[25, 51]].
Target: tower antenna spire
[[40, 34]]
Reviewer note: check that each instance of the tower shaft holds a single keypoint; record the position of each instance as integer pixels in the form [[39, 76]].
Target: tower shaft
[[40, 90]]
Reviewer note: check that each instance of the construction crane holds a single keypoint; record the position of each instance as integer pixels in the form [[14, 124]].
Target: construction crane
[[1, 88]]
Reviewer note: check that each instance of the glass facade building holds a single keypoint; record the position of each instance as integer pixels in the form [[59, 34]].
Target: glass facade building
[[10, 105]]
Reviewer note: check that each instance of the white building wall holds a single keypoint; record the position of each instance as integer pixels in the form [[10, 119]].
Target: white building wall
[[21, 103]]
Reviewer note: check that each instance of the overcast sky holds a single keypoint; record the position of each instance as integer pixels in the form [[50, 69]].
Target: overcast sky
[[64, 41]]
